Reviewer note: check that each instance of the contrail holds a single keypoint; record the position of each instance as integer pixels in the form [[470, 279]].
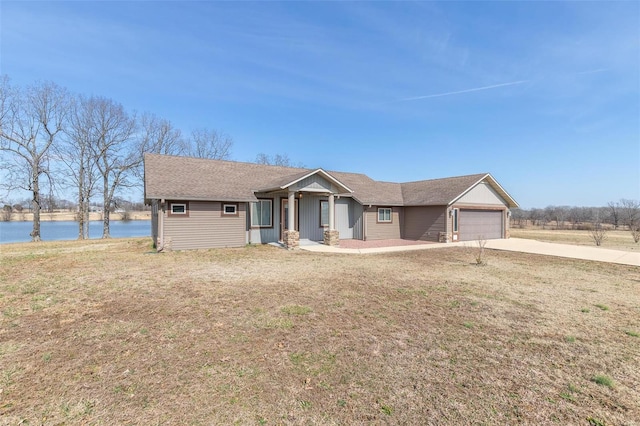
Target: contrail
[[476, 89]]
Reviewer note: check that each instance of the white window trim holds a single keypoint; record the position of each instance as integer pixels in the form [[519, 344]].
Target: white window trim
[[390, 215], [184, 205], [235, 209]]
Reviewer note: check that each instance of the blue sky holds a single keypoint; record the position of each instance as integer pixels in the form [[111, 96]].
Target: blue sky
[[543, 95]]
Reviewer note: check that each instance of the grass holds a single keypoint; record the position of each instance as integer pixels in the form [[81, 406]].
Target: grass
[[259, 335], [616, 240], [603, 380]]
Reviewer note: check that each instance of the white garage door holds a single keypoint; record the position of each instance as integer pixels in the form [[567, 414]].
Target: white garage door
[[485, 224]]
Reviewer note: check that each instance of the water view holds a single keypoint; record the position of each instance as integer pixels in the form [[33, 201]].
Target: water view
[[18, 232]]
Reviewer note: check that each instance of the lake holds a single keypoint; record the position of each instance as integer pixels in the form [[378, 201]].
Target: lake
[[18, 232]]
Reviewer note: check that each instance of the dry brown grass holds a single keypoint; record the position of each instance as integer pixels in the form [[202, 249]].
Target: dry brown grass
[[616, 240], [106, 332]]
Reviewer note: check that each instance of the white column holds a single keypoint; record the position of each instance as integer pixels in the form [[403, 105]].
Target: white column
[[332, 211], [291, 209]]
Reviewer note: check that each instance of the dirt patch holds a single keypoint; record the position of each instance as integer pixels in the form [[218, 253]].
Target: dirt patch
[[260, 335]]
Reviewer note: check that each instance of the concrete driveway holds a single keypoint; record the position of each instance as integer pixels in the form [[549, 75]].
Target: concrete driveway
[[512, 244], [565, 250]]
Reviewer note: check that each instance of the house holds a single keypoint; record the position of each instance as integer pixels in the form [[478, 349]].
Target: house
[[202, 203]]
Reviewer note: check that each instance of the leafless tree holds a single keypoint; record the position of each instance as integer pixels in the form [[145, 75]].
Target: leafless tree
[[630, 212], [77, 155], [614, 212], [598, 233], [206, 143], [115, 150], [159, 136], [31, 122], [276, 160]]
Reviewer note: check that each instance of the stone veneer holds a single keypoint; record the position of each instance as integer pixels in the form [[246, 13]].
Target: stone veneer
[[443, 237], [291, 239], [331, 238]]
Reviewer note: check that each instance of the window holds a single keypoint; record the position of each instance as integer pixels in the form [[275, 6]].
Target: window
[[454, 214], [384, 215], [230, 209], [324, 213], [178, 209], [261, 213]]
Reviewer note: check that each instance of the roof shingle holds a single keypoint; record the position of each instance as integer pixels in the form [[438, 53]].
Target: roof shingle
[[173, 177]]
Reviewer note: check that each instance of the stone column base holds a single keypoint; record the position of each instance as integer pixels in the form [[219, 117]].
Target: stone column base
[[331, 238], [291, 239], [443, 237]]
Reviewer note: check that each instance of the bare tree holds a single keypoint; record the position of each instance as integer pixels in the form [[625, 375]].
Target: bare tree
[[630, 212], [276, 160], [77, 155], [614, 211], [115, 151], [598, 233], [31, 122], [206, 143], [159, 136]]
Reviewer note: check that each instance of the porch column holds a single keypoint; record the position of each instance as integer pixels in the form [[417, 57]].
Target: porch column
[[332, 216], [331, 236], [291, 212], [291, 236]]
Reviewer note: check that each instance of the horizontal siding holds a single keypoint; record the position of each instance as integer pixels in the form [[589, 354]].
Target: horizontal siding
[[482, 194], [424, 223], [383, 231], [206, 227]]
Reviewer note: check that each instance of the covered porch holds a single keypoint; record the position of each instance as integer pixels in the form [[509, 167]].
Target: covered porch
[[307, 208]]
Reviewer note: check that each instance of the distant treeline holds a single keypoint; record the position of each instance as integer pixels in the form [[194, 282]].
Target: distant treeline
[[621, 214]]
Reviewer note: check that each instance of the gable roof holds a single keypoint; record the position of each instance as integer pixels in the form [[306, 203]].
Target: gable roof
[[173, 177], [293, 179]]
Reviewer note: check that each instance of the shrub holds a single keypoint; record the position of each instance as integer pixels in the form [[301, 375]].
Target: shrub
[[598, 233]]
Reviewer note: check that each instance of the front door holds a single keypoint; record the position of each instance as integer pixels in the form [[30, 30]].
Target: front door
[[284, 217]]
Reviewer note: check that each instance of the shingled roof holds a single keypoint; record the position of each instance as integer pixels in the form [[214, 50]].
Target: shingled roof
[[186, 178]]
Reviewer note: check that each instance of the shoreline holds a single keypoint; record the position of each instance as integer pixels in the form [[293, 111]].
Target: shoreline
[[71, 216]]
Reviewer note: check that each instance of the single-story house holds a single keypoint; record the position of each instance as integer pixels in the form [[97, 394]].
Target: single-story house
[[202, 203]]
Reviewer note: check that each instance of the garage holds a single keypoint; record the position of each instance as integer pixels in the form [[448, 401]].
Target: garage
[[476, 224]]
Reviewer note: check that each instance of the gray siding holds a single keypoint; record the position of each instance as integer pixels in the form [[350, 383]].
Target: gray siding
[[482, 194], [314, 183], [358, 217], [205, 227], [383, 231], [309, 217], [424, 223], [266, 235]]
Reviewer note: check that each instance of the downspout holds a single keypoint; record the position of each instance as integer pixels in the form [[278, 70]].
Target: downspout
[[161, 226]]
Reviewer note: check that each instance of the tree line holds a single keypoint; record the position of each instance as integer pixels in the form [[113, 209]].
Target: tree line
[[623, 214], [52, 139]]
